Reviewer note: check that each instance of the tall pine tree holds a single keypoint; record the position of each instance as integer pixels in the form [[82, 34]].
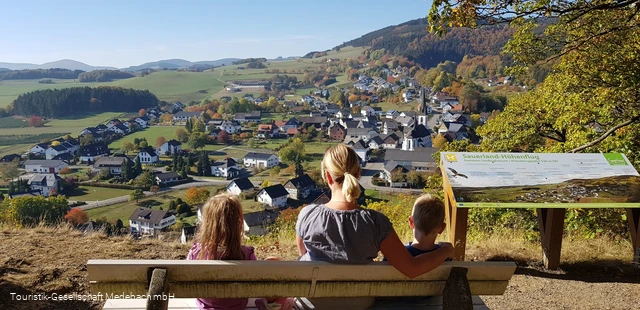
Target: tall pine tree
[[128, 171], [188, 125], [298, 166], [137, 170]]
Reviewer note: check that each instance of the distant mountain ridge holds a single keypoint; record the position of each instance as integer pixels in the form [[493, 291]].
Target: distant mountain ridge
[[76, 65], [181, 64], [61, 64]]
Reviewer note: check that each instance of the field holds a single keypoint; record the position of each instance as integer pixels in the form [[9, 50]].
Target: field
[[12, 122], [89, 194], [386, 106], [151, 134], [176, 85]]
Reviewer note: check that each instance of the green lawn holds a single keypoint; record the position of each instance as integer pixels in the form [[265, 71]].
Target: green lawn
[[12, 122], [233, 153], [151, 134], [386, 106], [89, 193]]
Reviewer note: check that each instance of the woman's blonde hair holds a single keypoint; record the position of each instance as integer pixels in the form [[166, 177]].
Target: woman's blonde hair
[[342, 163], [221, 231]]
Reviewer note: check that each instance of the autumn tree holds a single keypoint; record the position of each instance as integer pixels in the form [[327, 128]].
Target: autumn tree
[[166, 118], [55, 143], [142, 112], [197, 196], [160, 141], [439, 141], [65, 171], [154, 189], [469, 96], [76, 216], [126, 147], [414, 178], [223, 137], [217, 115], [353, 98], [181, 135], [9, 171], [87, 139], [590, 102], [35, 121]]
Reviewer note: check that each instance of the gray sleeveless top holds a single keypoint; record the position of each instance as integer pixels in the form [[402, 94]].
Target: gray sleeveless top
[[340, 236]]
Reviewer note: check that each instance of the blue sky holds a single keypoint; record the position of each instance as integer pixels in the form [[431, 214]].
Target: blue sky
[[122, 33]]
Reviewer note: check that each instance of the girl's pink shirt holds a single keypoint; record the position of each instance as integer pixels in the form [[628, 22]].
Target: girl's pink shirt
[[221, 303]]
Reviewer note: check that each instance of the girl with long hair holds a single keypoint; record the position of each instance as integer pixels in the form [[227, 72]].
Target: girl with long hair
[[219, 237]]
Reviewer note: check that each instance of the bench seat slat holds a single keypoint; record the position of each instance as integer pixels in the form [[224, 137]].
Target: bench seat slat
[[301, 289], [187, 271]]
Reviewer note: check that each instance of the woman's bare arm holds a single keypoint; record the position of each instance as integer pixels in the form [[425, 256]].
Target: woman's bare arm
[[301, 249], [396, 253]]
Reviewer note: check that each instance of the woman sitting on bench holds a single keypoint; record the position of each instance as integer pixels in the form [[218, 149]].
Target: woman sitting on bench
[[342, 232]]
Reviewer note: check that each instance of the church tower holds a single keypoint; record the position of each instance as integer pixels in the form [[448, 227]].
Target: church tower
[[423, 101]]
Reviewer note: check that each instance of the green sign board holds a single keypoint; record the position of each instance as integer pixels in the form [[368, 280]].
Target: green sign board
[[536, 180]]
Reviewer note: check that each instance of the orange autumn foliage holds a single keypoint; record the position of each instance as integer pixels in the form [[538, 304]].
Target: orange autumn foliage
[[76, 216]]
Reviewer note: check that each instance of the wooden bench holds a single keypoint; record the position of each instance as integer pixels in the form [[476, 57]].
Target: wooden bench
[[455, 281]]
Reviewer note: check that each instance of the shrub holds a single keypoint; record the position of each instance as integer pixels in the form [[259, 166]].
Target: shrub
[[33, 210]]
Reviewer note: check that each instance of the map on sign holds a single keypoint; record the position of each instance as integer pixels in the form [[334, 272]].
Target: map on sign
[[489, 179]]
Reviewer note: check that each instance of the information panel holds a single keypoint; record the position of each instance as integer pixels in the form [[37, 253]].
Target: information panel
[[529, 179]]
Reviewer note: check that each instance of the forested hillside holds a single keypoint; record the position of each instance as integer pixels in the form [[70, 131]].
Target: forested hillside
[[73, 101], [104, 76], [35, 74], [411, 39]]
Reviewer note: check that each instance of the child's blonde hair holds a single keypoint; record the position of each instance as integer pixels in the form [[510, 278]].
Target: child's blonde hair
[[221, 231], [427, 213], [342, 163]]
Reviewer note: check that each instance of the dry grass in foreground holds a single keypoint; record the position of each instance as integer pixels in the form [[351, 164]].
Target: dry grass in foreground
[[595, 273]]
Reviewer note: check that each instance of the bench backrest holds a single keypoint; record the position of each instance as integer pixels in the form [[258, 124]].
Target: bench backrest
[[245, 279]]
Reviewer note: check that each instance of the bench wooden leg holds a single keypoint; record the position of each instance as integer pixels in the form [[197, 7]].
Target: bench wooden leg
[[633, 217], [457, 294], [457, 221], [551, 223], [158, 290]]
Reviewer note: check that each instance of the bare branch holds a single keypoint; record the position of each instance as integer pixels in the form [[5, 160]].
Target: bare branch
[[606, 134]]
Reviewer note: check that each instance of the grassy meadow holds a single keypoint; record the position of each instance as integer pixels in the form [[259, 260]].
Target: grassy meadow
[[89, 193]]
